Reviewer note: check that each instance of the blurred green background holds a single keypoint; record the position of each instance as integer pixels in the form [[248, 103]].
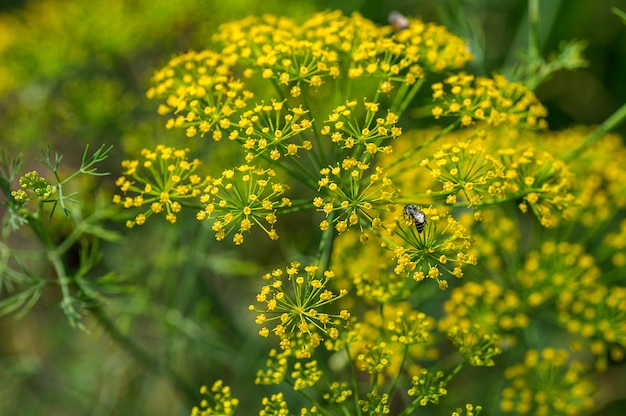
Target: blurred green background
[[74, 73]]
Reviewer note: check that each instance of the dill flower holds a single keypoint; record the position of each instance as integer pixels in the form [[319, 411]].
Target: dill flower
[[277, 367], [598, 314], [475, 345], [443, 246], [242, 198], [463, 168], [543, 181], [274, 405], [376, 403], [547, 383], [600, 184], [350, 129], [469, 410], [200, 92], [556, 273], [371, 277], [33, 187], [338, 392], [269, 130], [488, 305], [353, 195], [293, 303], [394, 339], [428, 387], [521, 172], [305, 375], [494, 101], [219, 401], [162, 181]]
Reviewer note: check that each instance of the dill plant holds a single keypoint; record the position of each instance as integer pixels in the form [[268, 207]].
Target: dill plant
[[385, 318], [315, 110]]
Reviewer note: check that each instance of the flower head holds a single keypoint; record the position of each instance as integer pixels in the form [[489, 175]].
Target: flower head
[[163, 180], [242, 198], [295, 303]]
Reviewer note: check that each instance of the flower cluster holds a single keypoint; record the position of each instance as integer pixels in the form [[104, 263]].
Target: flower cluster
[[557, 272], [162, 181], [201, 93], [33, 187], [470, 410], [547, 384], [219, 401], [535, 177], [442, 246], [293, 304], [319, 103], [241, 198], [494, 101], [309, 54], [344, 128], [274, 405], [486, 305], [598, 314], [428, 387], [354, 196], [397, 339], [265, 130], [475, 345], [372, 277]]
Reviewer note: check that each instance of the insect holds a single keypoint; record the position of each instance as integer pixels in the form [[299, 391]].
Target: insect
[[416, 216], [398, 21]]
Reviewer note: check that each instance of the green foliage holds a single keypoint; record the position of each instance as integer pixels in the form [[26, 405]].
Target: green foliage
[[20, 278]]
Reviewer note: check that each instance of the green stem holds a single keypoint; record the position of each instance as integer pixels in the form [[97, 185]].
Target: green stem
[[392, 387], [609, 124], [144, 358], [408, 98], [355, 384], [533, 29], [325, 247]]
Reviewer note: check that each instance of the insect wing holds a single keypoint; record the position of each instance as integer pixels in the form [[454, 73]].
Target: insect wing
[[398, 20]]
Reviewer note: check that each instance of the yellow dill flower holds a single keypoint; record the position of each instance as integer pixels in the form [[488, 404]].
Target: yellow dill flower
[[201, 93], [353, 195], [397, 330], [494, 101], [556, 272], [274, 130], [486, 305], [547, 382], [216, 400], [477, 346], [164, 180], [597, 314], [241, 198], [444, 245], [294, 302]]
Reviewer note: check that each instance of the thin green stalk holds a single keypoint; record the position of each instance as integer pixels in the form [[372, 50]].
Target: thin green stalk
[[533, 30], [144, 358], [609, 124], [392, 387], [408, 98], [326, 243], [355, 384], [316, 135]]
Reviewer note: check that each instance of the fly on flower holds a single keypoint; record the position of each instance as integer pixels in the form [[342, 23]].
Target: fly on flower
[[416, 216], [398, 20]]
